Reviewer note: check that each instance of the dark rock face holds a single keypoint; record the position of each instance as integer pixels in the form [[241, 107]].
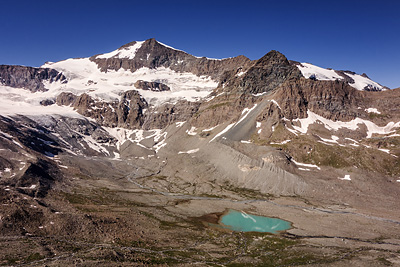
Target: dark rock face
[[153, 55], [127, 113], [28, 77], [152, 86], [130, 109], [47, 102], [38, 173], [346, 78], [225, 108], [268, 72], [65, 99], [334, 100], [162, 116]]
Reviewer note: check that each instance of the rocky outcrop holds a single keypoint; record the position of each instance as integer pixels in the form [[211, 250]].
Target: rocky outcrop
[[227, 107], [152, 86], [162, 116], [153, 55], [334, 100], [267, 73], [127, 113], [28, 77]]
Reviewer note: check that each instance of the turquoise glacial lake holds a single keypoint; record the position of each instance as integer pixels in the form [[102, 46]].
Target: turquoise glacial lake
[[242, 222]]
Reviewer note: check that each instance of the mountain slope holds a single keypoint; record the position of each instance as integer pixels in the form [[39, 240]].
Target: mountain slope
[[132, 157], [360, 82]]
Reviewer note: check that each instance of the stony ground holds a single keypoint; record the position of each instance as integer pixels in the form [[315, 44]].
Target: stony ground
[[124, 213]]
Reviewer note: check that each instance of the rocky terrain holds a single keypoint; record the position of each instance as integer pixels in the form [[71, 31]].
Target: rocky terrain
[[131, 157], [28, 78]]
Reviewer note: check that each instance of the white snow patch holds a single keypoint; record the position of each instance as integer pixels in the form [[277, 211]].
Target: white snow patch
[[281, 143], [122, 135], [308, 70], [179, 123], [346, 178], [351, 125], [240, 73], [158, 134], [258, 124], [210, 129], [372, 110], [136, 136], [259, 94], [170, 46], [191, 131], [276, 103], [17, 143], [189, 151], [123, 52], [245, 112], [223, 131], [209, 98], [361, 82], [319, 73], [351, 140], [304, 169], [245, 142], [63, 166], [332, 140], [291, 130], [93, 144], [384, 150], [305, 164], [23, 166]]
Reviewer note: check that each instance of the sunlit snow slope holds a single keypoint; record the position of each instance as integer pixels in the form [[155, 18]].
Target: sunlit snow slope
[[83, 75], [360, 82]]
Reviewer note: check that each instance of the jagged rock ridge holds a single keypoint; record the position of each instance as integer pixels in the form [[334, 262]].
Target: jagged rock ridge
[[28, 77], [152, 54]]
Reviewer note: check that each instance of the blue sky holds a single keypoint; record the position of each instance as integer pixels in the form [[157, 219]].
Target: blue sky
[[362, 36]]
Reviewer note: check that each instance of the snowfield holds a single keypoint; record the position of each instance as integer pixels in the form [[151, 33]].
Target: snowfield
[[372, 128], [322, 74], [84, 76], [19, 101]]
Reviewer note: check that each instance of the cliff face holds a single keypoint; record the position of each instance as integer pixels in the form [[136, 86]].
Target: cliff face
[[267, 73], [27, 77], [131, 111], [334, 100], [127, 112]]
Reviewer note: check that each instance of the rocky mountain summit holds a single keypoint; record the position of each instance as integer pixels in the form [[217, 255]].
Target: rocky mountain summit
[[123, 154], [152, 54]]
